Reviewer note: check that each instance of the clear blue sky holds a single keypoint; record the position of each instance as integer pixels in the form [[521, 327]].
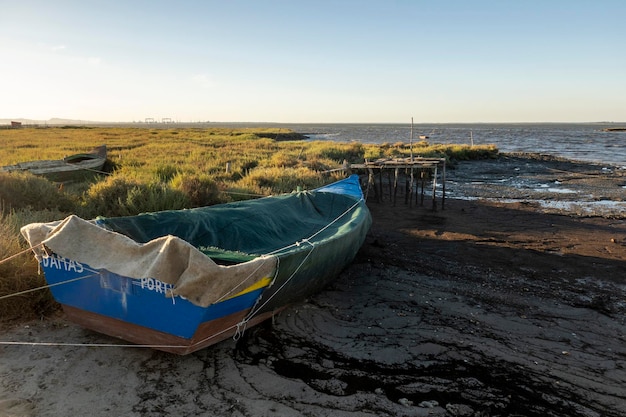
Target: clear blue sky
[[314, 61]]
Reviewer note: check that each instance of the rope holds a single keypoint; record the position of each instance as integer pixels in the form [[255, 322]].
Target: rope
[[242, 325], [19, 253], [116, 345], [49, 286], [94, 170], [43, 287], [248, 194], [348, 210], [9, 343], [242, 282], [254, 310]]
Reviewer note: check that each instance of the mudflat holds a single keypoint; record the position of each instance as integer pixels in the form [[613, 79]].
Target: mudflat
[[510, 301]]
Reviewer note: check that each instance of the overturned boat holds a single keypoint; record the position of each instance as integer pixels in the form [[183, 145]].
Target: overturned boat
[[179, 281]]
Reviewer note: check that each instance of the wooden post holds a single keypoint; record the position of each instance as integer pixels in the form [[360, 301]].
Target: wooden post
[[371, 182], [443, 185], [406, 187], [435, 189], [411, 140], [380, 183], [395, 185], [390, 185], [411, 187], [422, 181]]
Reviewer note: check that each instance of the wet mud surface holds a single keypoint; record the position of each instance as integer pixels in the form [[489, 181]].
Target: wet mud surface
[[485, 308], [499, 305], [547, 183]]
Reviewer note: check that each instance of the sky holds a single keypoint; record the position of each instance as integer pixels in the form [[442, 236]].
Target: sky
[[314, 61]]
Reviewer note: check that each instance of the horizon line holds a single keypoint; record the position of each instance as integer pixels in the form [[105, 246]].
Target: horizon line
[[170, 121]]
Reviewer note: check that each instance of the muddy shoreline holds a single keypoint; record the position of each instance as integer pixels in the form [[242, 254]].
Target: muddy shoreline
[[499, 305]]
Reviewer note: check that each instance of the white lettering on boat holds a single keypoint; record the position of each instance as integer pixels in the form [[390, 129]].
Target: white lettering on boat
[[61, 263], [155, 285], [64, 264]]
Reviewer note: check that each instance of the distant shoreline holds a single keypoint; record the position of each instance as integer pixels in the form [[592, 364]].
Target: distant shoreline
[[56, 122]]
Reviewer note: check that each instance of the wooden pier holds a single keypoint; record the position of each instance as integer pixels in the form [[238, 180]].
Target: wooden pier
[[416, 172]]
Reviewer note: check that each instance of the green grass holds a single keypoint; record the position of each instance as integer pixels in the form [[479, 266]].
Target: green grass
[[161, 169]]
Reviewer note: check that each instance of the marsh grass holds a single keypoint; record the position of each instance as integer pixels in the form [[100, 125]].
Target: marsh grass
[[163, 169], [26, 191], [119, 196], [20, 273], [200, 190]]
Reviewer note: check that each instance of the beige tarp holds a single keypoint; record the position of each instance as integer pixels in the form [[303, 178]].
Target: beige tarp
[[168, 259]]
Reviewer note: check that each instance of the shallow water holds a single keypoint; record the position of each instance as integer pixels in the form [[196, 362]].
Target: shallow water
[[558, 186]]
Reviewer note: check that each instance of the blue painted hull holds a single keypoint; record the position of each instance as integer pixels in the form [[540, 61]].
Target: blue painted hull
[[141, 302]]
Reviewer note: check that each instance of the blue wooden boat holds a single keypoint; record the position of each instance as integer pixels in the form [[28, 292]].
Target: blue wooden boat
[[179, 281]]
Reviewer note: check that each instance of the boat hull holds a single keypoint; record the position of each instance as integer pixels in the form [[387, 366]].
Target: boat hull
[[207, 333], [151, 312], [140, 310], [72, 168]]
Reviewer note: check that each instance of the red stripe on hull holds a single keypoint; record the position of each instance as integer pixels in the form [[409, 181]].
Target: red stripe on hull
[[207, 334]]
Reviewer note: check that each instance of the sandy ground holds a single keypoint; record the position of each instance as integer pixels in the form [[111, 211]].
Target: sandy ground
[[512, 304]]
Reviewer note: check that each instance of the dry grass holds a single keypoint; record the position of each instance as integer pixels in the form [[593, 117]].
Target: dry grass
[[20, 273]]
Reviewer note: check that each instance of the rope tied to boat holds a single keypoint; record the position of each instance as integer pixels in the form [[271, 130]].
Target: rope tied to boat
[[308, 239], [15, 294], [93, 273], [241, 284], [256, 307], [241, 326], [303, 241], [241, 329], [19, 253], [65, 344]]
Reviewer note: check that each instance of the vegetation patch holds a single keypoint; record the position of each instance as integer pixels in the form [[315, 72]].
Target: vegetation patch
[[22, 190]]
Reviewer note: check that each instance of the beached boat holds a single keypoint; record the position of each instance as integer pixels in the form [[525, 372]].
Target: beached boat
[[66, 169], [182, 280]]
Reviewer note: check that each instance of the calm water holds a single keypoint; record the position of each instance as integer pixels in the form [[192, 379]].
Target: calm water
[[578, 141], [587, 142]]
